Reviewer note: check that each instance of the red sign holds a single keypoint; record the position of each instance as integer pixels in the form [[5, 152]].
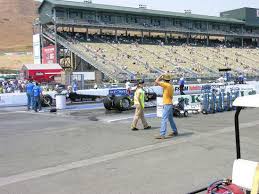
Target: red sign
[[49, 55]]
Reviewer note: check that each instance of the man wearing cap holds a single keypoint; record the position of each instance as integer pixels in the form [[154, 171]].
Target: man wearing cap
[[168, 92], [139, 102]]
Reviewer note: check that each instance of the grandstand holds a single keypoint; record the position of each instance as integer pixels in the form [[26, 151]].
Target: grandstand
[[129, 43]]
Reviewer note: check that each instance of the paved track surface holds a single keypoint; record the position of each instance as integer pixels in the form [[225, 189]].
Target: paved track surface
[[92, 151]]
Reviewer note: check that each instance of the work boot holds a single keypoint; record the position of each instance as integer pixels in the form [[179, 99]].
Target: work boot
[[134, 129], [160, 137], [148, 127], [172, 134]]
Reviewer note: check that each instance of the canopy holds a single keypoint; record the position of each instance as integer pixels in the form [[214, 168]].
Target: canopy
[[42, 66]]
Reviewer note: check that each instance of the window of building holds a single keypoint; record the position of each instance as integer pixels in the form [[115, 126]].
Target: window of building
[[60, 13]]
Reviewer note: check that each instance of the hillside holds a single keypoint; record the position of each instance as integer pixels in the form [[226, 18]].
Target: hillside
[[16, 18]]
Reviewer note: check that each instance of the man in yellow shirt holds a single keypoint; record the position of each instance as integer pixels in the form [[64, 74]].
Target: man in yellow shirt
[[168, 93], [139, 102]]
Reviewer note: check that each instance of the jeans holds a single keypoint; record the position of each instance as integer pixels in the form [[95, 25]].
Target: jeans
[[37, 103], [29, 101], [167, 115]]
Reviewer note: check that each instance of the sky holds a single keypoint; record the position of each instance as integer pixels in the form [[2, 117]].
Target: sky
[[203, 7]]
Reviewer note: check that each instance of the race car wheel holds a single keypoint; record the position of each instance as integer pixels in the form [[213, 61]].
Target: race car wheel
[[122, 103], [177, 113], [185, 114], [107, 102], [46, 101]]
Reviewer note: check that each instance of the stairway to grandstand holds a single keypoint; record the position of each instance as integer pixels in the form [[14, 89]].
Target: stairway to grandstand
[[111, 70]]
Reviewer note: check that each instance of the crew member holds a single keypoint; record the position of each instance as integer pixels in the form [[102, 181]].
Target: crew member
[[139, 102], [37, 92], [128, 87], [181, 85], [168, 92], [29, 92]]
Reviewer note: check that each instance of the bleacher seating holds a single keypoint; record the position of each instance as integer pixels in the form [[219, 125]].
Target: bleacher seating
[[155, 58]]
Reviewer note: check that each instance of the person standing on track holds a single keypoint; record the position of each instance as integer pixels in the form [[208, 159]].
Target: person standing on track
[[139, 102], [168, 92], [29, 92], [37, 92]]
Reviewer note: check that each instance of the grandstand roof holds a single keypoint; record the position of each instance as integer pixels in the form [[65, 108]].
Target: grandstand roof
[[140, 11]]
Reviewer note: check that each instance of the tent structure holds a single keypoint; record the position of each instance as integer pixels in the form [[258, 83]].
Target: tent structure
[[41, 72]]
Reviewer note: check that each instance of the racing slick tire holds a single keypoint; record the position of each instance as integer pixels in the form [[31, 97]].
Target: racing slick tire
[[107, 103], [46, 100], [122, 103], [186, 114]]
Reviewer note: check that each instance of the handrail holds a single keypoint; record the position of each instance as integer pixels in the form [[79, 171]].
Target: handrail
[[83, 55]]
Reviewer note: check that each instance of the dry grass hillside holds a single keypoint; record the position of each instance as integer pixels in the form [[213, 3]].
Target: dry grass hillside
[[16, 18]]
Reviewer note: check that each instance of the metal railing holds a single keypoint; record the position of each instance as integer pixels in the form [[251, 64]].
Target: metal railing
[[88, 56]]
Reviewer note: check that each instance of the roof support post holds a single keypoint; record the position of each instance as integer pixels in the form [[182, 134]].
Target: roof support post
[[257, 42], [149, 34], [188, 38], [142, 36], [56, 42], [166, 39], [41, 40], [225, 40], [126, 32], [87, 33], [101, 31], [208, 40], [116, 35], [242, 41]]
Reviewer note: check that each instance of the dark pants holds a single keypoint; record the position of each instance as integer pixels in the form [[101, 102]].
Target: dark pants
[[181, 90], [37, 103]]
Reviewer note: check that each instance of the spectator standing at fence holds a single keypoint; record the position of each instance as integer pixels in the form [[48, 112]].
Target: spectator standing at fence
[[29, 93], [95, 86], [181, 85], [75, 86], [139, 102], [37, 92], [1, 89], [241, 78], [128, 87], [168, 92]]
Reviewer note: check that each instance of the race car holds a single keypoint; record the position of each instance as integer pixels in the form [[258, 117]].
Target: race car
[[122, 100]]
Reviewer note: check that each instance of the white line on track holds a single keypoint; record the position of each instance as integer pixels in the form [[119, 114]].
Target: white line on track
[[131, 117], [96, 160]]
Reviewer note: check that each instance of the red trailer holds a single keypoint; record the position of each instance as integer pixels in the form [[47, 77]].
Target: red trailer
[[41, 72]]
